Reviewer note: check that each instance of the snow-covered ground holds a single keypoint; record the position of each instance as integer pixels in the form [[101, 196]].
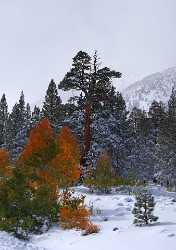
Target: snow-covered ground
[[110, 211]]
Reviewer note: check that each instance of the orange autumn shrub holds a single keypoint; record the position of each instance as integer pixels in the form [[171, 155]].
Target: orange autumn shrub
[[74, 218], [91, 229], [66, 164], [48, 160], [73, 213], [37, 154], [41, 144]]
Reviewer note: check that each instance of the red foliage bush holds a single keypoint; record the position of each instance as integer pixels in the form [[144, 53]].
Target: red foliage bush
[[91, 229], [73, 213], [74, 218]]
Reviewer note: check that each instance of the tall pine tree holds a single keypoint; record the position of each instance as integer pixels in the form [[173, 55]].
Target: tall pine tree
[[52, 107], [36, 116], [94, 83], [3, 121], [166, 145], [18, 125]]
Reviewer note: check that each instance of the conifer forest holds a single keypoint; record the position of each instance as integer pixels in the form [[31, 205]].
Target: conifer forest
[[92, 163]]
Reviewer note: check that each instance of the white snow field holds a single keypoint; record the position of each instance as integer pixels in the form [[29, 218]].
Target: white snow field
[[109, 212]]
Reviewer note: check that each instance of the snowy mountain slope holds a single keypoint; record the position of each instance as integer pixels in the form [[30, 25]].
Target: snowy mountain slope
[[157, 87]]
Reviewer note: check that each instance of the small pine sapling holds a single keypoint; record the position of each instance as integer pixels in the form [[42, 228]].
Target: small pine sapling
[[143, 209]]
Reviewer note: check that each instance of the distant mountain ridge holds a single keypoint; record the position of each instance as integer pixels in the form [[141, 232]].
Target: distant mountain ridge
[[157, 86]]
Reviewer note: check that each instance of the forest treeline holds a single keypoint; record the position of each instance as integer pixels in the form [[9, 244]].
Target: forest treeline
[[141, 145]]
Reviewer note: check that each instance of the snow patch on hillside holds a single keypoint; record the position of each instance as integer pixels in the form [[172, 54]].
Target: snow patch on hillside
[[157, 87]]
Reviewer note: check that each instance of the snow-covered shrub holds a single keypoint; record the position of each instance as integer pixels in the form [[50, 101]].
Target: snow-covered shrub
[[143, 209]]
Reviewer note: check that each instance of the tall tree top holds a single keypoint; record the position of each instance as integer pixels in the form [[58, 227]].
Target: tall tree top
[[21, 100], [87, 76], [172, 104], [3, 104], [52, 106]]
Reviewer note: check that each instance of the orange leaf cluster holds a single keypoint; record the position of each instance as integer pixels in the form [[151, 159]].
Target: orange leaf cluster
[[50, 161], [37, 154], [39, 141], [74, 218], [67, 161], [74, 214]]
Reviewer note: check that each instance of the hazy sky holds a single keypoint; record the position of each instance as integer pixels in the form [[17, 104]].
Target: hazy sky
[[38, 39]]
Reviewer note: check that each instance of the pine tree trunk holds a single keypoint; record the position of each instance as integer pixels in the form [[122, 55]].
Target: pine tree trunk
[[145, 214], [87, 131]]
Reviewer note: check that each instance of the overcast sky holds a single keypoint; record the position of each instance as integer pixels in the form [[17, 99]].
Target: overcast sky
[[38, 39]]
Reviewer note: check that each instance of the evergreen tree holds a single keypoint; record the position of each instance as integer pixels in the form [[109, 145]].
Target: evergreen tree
[[166, 145], [22, 135], [12, 126], [23, 209], [114, 102], [143, 209], [22, 111], [138, 121], [142, 159], [18, 115], [18, 126], [94, 83], [157, 115], [3, 121], [52, 107], [172, 105], [28, 116], [71, 106], [111, 133], [36, 116]]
